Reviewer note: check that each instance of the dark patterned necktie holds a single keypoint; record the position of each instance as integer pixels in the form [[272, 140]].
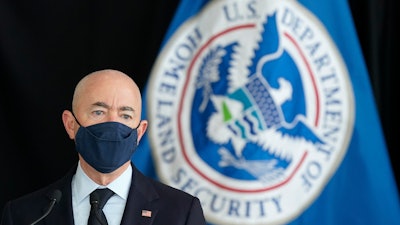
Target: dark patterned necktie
[[98, 199]]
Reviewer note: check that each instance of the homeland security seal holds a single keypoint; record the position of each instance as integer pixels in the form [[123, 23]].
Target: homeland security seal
[[251, 110]]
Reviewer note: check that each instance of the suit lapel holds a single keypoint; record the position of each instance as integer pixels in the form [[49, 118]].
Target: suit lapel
[[140, 208]]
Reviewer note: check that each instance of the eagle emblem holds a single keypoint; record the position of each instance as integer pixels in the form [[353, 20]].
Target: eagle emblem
[[247, 114]]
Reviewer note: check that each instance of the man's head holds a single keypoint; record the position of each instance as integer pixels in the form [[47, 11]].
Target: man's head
[[105, 96]]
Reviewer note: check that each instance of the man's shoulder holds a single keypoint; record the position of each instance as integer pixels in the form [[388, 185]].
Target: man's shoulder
[[165, 188], [162, 189]]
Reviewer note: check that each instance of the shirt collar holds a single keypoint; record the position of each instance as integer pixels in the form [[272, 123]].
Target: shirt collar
[[82, 185]]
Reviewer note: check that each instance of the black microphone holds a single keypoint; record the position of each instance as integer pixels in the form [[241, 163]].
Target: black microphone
[[54, 197]]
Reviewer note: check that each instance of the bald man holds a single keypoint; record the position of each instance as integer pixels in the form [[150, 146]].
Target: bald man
[[105, 124]]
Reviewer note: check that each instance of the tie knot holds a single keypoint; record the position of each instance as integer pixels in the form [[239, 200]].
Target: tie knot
[[100, 197]]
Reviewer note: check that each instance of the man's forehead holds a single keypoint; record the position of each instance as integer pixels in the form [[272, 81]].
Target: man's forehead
[[116, 93]]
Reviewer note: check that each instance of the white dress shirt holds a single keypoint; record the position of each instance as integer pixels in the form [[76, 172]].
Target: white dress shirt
[[82, 186]]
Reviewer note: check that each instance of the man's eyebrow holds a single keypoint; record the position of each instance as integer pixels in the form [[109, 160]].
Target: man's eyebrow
[[122, 108], [101, 104], [126, 108]]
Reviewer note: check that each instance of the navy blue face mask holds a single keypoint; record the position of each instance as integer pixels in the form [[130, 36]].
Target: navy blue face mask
[[106, 146]]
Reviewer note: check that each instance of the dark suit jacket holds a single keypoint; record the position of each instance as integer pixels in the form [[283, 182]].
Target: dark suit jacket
[[168, 206]]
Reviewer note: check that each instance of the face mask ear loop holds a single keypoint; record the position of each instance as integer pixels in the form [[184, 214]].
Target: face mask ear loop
[[134, 128], [77, 119]]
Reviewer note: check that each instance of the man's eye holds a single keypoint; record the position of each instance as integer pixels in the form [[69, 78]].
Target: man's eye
[[97, 113], [126, 116]]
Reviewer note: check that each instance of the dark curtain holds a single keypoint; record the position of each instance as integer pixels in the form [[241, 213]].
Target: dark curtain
[[375, 24], [47, 46]]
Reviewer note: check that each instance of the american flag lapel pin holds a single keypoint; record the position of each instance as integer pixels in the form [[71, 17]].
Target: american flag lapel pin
[[146, 213]]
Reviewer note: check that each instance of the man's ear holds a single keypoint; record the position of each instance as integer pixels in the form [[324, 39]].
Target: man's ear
[[141, 129], [69, 123]]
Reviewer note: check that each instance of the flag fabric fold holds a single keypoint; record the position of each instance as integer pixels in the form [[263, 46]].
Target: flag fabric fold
[[264, 110]]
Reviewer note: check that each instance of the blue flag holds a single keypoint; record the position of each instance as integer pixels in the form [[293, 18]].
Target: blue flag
[[264, 111]]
